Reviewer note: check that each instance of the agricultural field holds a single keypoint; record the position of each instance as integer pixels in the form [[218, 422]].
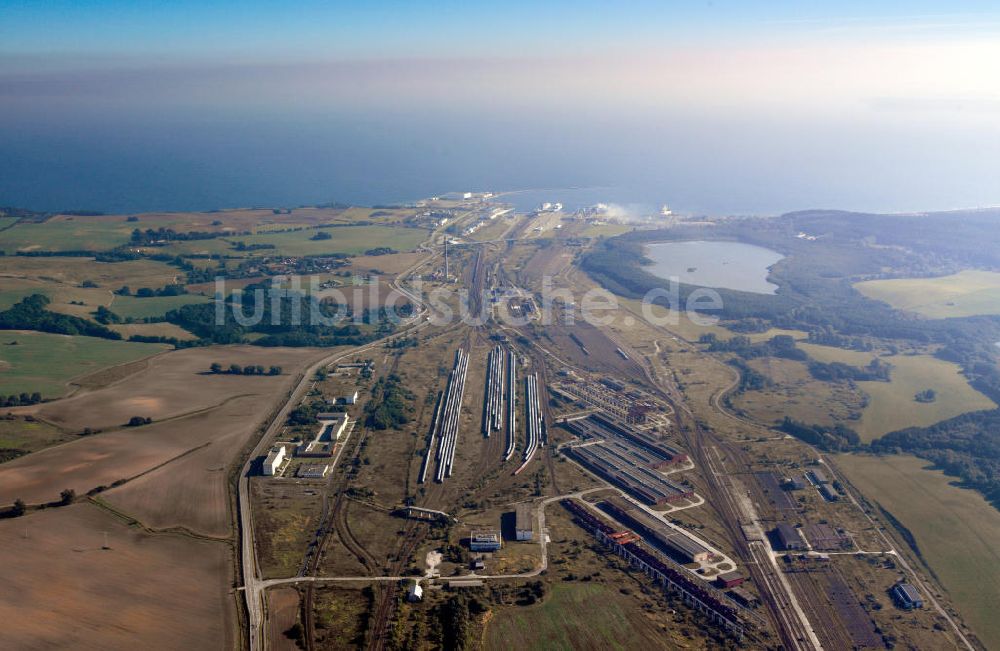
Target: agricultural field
[[393, 263], [200, 422], [63, 589], [966, 293], [74, 271], [101, 232], [152, 330], [46, 362], [175, 384], [892, 405], [344, 239], [67, 233], [29, 436], [151, 306], [956, 530], [216, 246], [65, 298], [283, 613]]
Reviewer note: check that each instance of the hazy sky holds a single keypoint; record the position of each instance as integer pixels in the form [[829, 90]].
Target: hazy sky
[[715, 107]]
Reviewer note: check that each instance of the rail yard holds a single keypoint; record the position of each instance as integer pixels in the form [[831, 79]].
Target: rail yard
[[448, 426], [425, 508], [534, 425], [511, 405]]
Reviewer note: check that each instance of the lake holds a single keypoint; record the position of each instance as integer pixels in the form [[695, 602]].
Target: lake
[[727, 265]]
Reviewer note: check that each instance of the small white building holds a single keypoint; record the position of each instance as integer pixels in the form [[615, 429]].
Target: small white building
[[485, 540], [416, 593], [351, 399], [274, 460]]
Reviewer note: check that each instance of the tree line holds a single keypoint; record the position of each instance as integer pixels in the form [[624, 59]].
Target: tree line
[[235, 369]]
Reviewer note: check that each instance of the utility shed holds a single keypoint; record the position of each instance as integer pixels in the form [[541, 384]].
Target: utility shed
[[523, 522], [416, 593]]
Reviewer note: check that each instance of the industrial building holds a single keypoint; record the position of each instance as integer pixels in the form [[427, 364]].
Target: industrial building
[[312, 471], [743, 598], [334, 421], [349, 399], [632, 408], [485, 540], [331, 426], [829, 493], [794, 484], [274, 460], [906, 596], [824, 537], [614, 385], [596, 426], [704, 599], [818, 476], [523, 522], [729, 579], [675, 544], [788, 538], [627, 467]]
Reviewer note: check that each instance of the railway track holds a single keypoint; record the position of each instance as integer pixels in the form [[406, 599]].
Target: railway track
[[511, 430], [385, 599], [776, 595], [328, 528]]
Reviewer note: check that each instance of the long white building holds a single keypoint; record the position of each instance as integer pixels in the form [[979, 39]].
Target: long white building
[[274, 460]]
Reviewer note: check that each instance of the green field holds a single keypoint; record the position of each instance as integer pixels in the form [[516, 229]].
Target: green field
[[46, 362], [62, 296], [74, 271], [161, 329], [62, 235], [573, 616], [891, 406], [17, 434], [956, 530], [345, 239], [605, 230], [141, 308], [7, 221], [216, 246], [966, 293]]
